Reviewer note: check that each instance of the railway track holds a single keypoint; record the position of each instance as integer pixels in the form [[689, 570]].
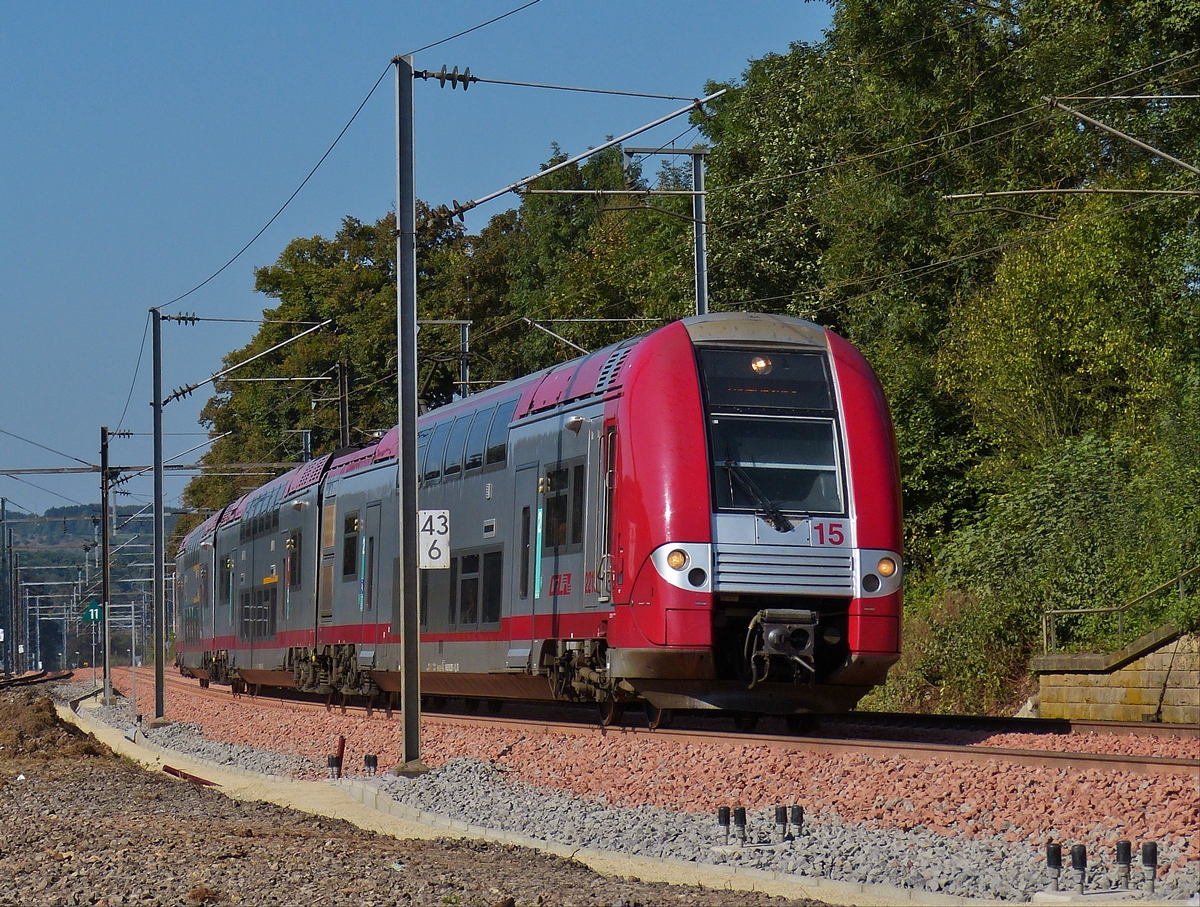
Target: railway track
[[880, 736], [1003, 725], [33, 677]]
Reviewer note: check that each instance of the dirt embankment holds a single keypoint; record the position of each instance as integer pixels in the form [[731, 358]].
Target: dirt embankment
[[83, 827]]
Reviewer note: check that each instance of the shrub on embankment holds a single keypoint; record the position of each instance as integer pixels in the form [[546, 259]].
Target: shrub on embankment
[[1096, 524]]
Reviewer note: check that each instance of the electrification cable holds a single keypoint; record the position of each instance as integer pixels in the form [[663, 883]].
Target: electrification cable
[[283, 207], [136, 368], [47, 490], [593, 247], [606, 91], [329, 151], [467, 31], [44, 447]]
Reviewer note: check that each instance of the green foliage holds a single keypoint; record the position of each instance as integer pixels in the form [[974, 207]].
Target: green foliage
[[1095, 524], [1080, 332], [349, 279]]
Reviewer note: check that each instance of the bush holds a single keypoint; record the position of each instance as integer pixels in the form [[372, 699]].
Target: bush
[[1095, 524]]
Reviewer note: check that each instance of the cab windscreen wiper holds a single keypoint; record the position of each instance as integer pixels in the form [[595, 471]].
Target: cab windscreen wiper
[[775, 517]]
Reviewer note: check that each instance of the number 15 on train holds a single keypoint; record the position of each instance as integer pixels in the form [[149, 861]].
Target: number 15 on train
[[433, 540]]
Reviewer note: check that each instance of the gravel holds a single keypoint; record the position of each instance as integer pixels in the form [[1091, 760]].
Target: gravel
[[480, 793], [183, 737], [935, 825]]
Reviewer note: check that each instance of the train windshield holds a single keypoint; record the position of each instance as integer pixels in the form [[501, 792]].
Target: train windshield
[[788, 464], [772, 430]]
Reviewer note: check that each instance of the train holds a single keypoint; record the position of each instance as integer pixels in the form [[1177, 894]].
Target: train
[[704, 516]]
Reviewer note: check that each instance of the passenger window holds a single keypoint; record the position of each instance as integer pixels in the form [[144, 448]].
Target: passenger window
[[497, 442], [225, 593], [477, 439], [468, 593], [454, 446], [524, 552], [350, 546], [370, 578], [565, 491], [295, 558], [577, 495], [328, 523], [422, 446], [557, 489], [493, 570], [437, 446]]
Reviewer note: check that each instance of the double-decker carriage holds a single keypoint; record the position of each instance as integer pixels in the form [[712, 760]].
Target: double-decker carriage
[[703, 516]]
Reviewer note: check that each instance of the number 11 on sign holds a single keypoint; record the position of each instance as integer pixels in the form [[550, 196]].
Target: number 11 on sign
[[433, 540]]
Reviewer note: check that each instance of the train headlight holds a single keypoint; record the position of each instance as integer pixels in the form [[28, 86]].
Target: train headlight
[[761, 365], [677, 559], [886, 566]]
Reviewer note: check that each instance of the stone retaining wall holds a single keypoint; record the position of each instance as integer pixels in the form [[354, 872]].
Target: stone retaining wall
[[1127, 686]]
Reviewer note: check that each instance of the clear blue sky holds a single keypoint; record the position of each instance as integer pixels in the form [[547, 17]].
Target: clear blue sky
[[141, 145]]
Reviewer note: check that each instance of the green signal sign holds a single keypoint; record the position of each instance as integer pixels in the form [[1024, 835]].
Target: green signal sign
[[92, 613]]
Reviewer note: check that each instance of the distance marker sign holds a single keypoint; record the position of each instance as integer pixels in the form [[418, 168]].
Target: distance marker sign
[[433, 539], [92, 613]]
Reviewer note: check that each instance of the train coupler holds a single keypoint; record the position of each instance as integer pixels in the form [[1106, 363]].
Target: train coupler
[[786, 634]]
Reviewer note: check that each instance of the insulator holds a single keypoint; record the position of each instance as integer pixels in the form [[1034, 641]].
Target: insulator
[[441, 76], [466, 79]]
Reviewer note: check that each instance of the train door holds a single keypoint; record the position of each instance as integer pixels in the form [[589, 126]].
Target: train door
[[604, 529], [223, 623], [247, 586], [523, 600], [596, 588], [325, 579], [369, 594]]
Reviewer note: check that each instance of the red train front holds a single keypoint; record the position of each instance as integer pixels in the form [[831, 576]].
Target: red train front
[[754, 520], [706, 516]]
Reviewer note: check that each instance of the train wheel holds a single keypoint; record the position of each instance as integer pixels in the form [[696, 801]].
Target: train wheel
[[470, 705], [204, 683], [745, 721], [495, 705], [656, 717], [610, 712]]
